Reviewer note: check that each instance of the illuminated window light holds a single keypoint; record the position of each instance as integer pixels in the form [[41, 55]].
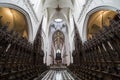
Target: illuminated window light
[[58, 20]]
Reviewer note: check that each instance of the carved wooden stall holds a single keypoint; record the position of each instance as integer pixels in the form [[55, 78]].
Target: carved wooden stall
[[101, 54], [17, 56], [77, 53]]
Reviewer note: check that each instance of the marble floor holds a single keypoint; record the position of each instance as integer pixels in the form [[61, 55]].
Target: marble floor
[[58, 75]]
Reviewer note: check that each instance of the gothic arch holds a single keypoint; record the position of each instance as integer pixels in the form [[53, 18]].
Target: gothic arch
[[25, 13], [84, 29]]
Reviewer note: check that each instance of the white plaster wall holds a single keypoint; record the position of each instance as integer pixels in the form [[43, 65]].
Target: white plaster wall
[[49, 58], [67, 45]]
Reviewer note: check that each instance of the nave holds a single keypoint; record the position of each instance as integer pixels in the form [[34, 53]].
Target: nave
[[37, 37]]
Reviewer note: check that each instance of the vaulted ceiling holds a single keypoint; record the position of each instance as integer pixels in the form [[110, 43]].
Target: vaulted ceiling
[[58, 9]]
